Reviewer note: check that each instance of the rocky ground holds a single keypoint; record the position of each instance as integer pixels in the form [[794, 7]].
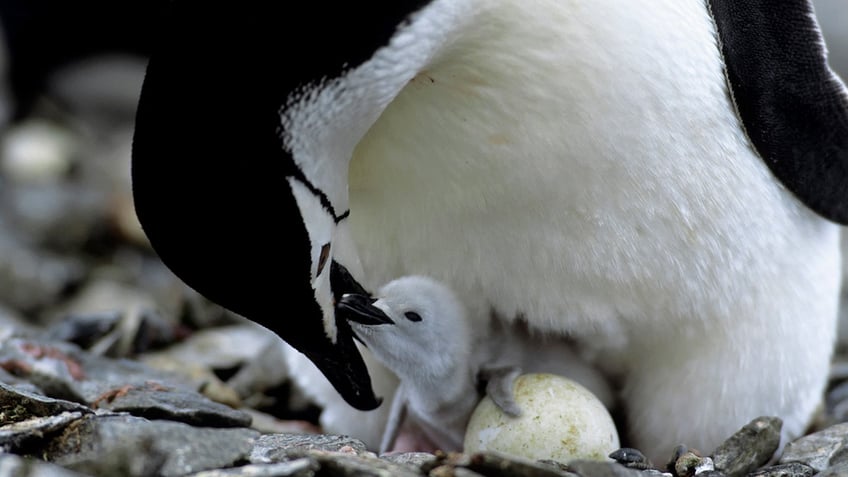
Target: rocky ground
[[110, 366]]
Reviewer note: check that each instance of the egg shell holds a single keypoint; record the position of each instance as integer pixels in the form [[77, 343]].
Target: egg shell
[[560, 420]]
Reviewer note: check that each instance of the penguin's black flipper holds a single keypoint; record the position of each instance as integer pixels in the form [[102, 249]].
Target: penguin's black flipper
[[793, 107]]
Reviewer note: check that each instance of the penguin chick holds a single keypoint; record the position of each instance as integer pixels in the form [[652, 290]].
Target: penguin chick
[[418, 328]]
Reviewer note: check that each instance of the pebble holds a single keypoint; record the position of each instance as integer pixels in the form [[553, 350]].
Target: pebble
[[749, 448], [304, 467], [840, 470], [281, 447], [816, 450], [13, 465], [22, 435], [632, 458], [586, 468], [690, 464], [147, 447], [792, 469], [416, 460]]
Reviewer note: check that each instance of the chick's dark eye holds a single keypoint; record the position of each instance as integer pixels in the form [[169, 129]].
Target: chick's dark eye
[[412, 316]]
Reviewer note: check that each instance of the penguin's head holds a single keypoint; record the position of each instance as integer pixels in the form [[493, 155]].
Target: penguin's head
[[231, 178], [416, 326]]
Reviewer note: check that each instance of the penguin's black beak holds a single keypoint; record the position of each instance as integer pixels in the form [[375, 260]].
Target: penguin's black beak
[[360, 309], [343, 366]]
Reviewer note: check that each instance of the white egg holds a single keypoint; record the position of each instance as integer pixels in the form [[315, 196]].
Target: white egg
[[560, 420]]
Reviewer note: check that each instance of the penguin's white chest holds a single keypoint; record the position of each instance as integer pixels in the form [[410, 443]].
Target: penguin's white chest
[[553, 165]]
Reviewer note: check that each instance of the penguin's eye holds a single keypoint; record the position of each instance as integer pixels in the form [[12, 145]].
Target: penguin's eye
[[412, 316], [322, 259]]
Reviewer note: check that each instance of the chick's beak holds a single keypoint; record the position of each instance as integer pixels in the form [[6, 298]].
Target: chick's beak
[[360, 309]]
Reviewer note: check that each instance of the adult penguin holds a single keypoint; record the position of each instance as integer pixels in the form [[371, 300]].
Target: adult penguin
[[660, 180]]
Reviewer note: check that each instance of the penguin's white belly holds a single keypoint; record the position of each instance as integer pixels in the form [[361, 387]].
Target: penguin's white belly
[[576, 172]]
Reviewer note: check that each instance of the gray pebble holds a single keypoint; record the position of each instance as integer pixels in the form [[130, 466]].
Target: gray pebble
[[155, 401], [749, 448], [62, 369], [282, 447], [499, 465], [19, 436], [125, 445], [632, 458], [840, 470], [588, 468], [303, 467], [690, 464], [13, 465], [793, 469], [415, 460], [28, 404], [817, 449], [340, 464]]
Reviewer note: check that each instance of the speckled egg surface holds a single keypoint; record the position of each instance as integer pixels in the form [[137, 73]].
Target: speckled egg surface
[[560, 420]]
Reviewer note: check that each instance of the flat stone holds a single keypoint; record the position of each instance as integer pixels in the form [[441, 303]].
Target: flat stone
[[29, 404], [13, 465], [692, 464], [840, 470], [415, 460], [839, 457], [20, 435], [282, 447], [793, 469], [18, 383], [749, 448], [817, 449], [303, 467], [501, 465], [341, 464], [111, 445], [632, 458], [63, 370], [154, 401], [591, 468]]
